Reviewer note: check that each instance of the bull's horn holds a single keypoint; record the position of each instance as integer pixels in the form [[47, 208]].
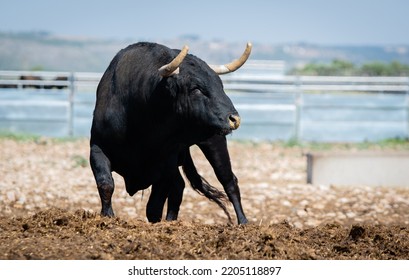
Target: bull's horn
[[235, 64], [173, 67]]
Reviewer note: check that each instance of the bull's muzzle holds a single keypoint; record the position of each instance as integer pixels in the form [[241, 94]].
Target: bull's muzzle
[[234, 121]]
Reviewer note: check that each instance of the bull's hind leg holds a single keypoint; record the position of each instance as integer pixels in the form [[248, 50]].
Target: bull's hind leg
[[156, 201], [175, 196], [216, 152], [170, 186], [101, 167]]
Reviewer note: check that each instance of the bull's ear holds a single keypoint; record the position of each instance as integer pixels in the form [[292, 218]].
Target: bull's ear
[[234, 65], [172, 68]]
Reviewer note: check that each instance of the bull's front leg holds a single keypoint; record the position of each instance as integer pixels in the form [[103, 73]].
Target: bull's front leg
[[101, 167], [216, 152]]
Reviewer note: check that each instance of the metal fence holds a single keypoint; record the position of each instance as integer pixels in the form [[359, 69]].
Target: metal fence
[[324, 109], [55, 104], [272, 107]]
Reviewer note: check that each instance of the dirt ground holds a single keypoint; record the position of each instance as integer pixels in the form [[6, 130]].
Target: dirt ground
[[49, 209]]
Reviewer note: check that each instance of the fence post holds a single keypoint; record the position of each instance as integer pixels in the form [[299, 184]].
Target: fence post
[[298, 104], [407, 109], [71, 97]]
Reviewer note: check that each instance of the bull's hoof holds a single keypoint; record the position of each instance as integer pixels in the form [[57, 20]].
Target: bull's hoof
[[243, 221], [155, 219], [171, 216], [107, 213]]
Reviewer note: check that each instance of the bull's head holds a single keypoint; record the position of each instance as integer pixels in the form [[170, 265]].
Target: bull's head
[[200, 90]]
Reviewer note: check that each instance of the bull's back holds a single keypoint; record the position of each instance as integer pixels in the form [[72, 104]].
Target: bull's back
[[121, 123], [126, 87]]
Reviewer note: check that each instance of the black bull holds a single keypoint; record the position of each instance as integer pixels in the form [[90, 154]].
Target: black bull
[[152, 104]]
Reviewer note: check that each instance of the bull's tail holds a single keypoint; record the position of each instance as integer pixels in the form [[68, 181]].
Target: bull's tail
[[200, 185]]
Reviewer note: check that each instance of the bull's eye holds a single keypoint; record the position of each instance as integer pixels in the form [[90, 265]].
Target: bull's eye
[[199, 92]]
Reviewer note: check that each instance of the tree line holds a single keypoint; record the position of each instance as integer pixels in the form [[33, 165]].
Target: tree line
[[345, 68]]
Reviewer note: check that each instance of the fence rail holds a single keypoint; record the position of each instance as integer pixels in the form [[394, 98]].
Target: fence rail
[[316, 83], [47, 80], [18, 79], [275, 107]]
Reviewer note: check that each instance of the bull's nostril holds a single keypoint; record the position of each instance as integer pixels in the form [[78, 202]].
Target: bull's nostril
[[234, 121]]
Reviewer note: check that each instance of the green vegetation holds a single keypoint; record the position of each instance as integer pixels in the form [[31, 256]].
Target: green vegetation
[[27, 137], [386, 144], [399, 144], [346, 68], [37, 68], [19, 137], [79, 161], [391, 143]]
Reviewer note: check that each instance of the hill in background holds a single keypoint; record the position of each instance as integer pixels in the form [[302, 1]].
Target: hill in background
[[45, 51]]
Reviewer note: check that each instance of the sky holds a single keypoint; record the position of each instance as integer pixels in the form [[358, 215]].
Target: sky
[[327, 22]]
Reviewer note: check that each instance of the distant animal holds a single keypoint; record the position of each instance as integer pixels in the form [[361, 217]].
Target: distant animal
[[28, 81], [58, 79], [152, 104], [61, 78], [8, 86]]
